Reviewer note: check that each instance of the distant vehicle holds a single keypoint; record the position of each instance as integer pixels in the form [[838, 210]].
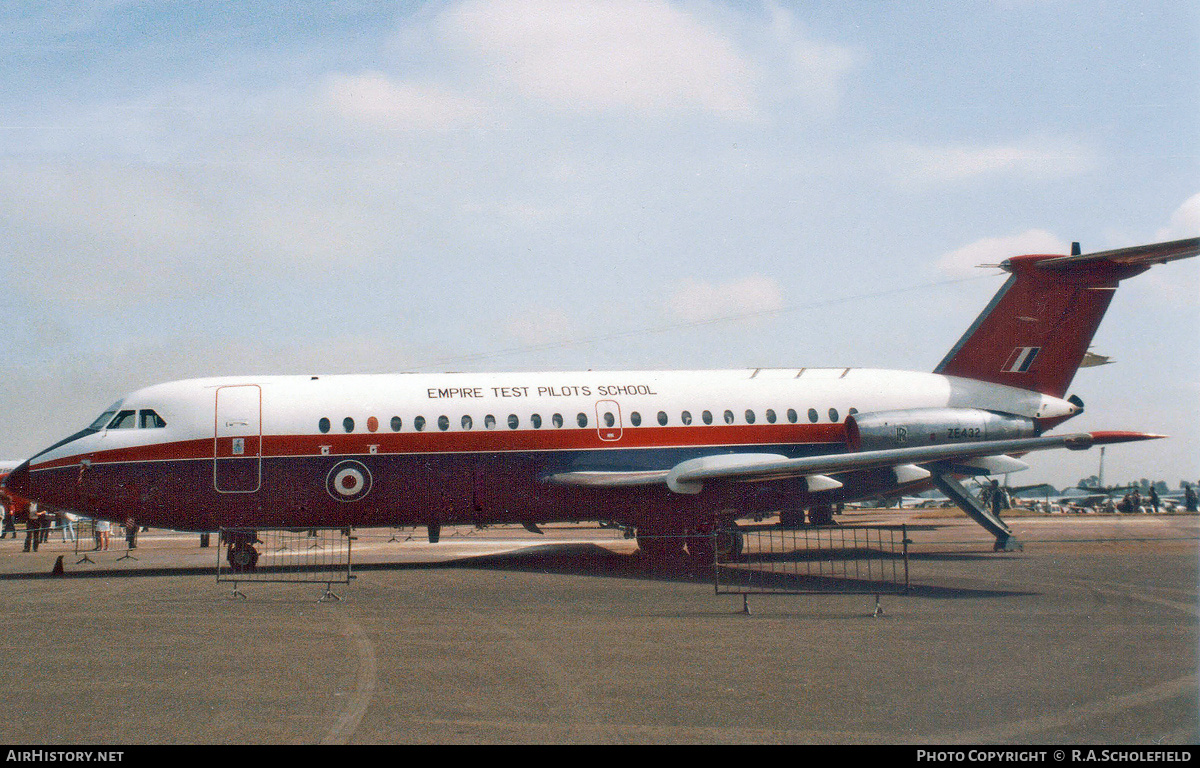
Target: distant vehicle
[[679, 456]]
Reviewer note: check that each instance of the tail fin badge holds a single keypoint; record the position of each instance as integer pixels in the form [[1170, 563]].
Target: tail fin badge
[[1021, 359]]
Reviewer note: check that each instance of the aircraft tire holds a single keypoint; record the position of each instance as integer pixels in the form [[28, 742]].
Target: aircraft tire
[[242, 558], [791, 519], [820, 514]]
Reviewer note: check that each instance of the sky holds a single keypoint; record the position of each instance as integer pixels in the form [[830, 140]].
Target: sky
[[210, 188]]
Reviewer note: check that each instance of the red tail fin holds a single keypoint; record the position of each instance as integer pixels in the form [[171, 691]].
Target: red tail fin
[[1037, 329]]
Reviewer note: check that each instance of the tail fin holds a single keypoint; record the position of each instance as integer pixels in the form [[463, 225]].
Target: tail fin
[[1036, 330]]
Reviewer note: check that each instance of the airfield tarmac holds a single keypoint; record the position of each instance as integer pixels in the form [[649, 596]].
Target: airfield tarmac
[[1089, 635]]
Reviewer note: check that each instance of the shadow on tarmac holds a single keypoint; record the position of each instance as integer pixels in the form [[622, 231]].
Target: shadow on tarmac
[[587, 560]]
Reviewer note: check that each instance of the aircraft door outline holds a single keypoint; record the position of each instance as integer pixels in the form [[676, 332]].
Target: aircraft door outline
[[608, 420], [237, 439]]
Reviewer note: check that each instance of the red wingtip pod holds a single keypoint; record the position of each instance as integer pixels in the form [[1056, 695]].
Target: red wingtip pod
[[1108, 438]]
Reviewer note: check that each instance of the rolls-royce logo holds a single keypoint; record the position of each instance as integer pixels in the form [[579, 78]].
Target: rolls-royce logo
[[901, 435]]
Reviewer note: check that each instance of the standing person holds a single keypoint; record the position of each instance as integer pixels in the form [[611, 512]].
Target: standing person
[[997, 498], [1189, 497], [68, 526], [103, 527], [33, 529], [10, 522], [1154, 498], [131, 531], [46, 522]]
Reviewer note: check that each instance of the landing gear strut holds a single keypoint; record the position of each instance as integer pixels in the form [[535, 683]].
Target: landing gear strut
[[241, 554]]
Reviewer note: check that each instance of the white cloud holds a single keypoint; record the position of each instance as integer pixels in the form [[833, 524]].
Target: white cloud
[[1185, 221], [1030, 159], [372, 99], [592, 55], [114, 234], [696, 301], [540, 325], [815, 69], [993, 250]]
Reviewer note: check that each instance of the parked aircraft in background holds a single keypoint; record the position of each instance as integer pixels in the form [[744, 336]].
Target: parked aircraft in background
[[671, 453]]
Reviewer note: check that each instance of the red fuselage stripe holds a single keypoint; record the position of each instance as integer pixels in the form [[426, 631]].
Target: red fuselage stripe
[[479, 441]]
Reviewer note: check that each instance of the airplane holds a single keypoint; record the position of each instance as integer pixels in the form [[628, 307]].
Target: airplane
[[678, 456]]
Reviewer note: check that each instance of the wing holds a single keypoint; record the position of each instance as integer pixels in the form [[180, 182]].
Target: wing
[[990, 457]]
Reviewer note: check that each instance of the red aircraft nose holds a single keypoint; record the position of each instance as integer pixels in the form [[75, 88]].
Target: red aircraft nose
[[17, 481]]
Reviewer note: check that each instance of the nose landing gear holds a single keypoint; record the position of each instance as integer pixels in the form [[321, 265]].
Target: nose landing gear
[[241, 554]]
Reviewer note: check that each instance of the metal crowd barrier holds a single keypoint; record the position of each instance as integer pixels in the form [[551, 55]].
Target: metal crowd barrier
[[845, 560], [281, 555]]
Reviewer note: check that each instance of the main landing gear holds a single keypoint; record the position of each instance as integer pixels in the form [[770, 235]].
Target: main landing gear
[[240, 553]]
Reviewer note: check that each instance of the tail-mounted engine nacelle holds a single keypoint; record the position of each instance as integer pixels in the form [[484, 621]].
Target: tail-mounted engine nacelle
[[918, 427]]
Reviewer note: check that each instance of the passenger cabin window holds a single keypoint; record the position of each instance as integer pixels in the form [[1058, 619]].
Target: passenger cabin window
[[513, 421], [467, 422], [151, 420], [686, 417], [812, 415], [443, 423], [609, 419], [348, 424], [635, 419], [582, 419], [749, 416], [396, 423], [728, 417], [662, 418], [833, 415], [770, 416], [323, 425], [792, 416], [124, 420], [372, 424], [536, 421], [557, 420], [706, 417], [489, 422], [419, 423]]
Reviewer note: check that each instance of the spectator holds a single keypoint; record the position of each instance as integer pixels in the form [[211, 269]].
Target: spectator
[[103, 528], [33, 529], [68, 525]]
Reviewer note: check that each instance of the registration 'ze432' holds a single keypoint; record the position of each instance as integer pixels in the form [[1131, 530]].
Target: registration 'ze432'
[[675, 455]]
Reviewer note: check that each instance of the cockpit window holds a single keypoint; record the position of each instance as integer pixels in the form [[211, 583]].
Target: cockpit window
[[148, 419], [105, 417], [124, 420]]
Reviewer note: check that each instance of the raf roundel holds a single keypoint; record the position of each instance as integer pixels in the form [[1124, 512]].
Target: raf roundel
[[348, 481]]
